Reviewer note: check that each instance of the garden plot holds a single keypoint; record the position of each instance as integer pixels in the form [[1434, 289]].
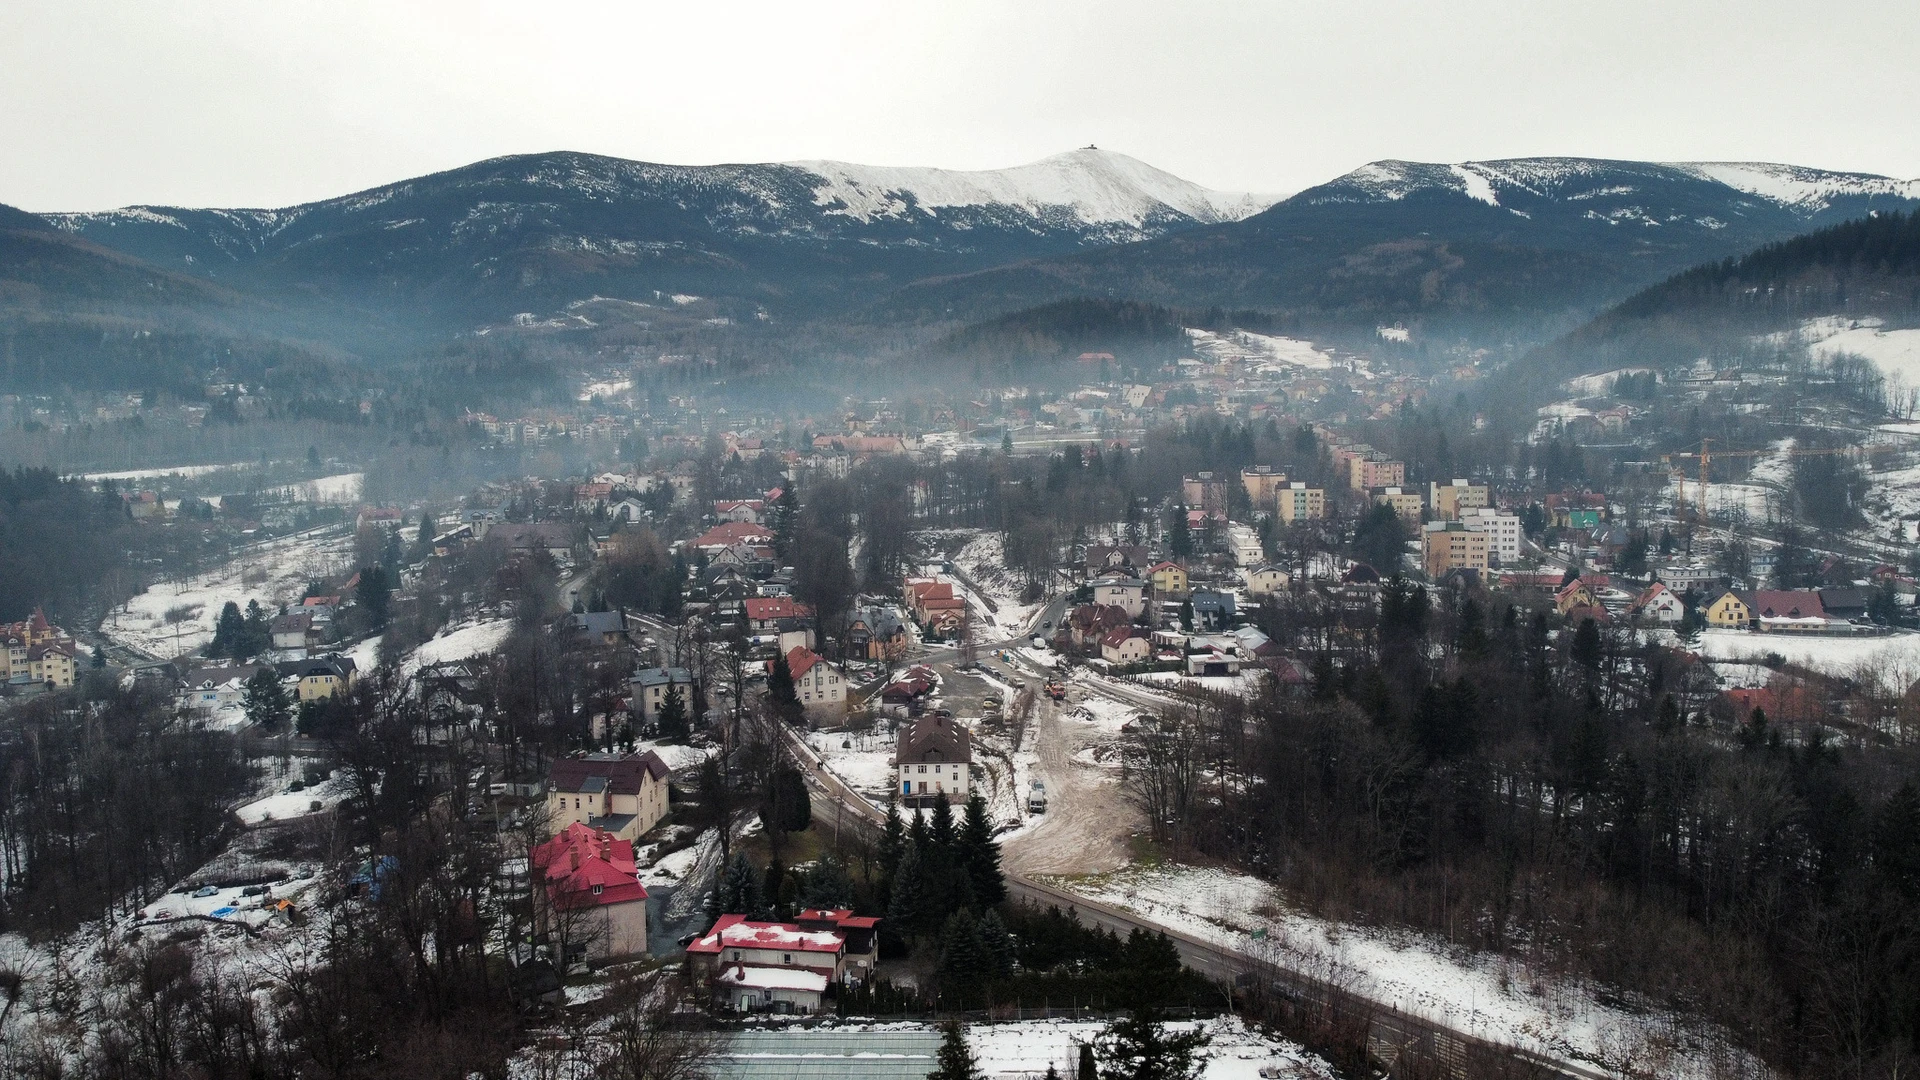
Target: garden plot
[[175, 617], [1484, 995], [1891, 661], [863, 760]]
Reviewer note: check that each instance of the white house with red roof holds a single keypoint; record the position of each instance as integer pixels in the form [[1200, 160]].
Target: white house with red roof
[[748, 510], [766, 613], [821, 686], [1660, 604], [590, 899], [784, 967], [728, 533]]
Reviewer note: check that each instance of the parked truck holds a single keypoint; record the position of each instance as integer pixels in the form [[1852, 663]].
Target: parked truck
[[1037, 798]]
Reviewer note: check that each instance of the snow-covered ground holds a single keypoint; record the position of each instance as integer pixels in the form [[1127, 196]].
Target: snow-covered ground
[[294, 804], [1890, 660], [1895, 352], [460, 643], [1263, 351], [275, 572], [182, 472], [1483, 995], [983, 558], [1246, 684], [863, 761]]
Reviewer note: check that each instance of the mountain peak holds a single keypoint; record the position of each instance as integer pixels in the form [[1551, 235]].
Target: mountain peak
[[1089, 185]]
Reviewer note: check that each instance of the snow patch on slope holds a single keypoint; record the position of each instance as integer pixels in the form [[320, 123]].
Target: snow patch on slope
[[1097, 187], [1809, 190]]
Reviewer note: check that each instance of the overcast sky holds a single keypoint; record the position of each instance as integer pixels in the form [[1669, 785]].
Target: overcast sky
[[267, 103]]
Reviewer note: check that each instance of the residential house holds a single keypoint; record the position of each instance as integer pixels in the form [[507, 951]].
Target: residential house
[[622, 794], [650, 686], [294, 630], [1266, 579], [1129, 594], [39, 654], [1125, 645], [1576, 509], [590, 900], [1659, 604], [1789, 611], [1730, 611], [319, 677], [765, 614], [821, 686], [935, 607], [1117, 560], [212, 689], [1582, 591], [782, 967], [1848, 604], [934, 759], [1088, 623], [748, 510], [1168, 580], [877, 633], [1212, 610], [606, 627], [549, 538], [628, 510], [728, 533]]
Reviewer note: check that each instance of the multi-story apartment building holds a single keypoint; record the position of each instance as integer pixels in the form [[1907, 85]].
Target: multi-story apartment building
[[1298, 502], [1450, 545], [1451, 501], [1502, 528], [39, 654], [1405, 503], [1370, 472]]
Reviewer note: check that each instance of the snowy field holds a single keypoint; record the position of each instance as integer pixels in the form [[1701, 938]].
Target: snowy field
[[863, 761], [1246, 684], [180, 472], [274, 573], [460, 643], [1021, 1049], [983, 558], [1895, 352], [1483, 995], [294, 804], [1262, 350], [1891, 660]]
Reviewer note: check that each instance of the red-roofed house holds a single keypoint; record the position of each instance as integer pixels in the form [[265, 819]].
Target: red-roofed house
[[624, 795], [748, 510], [783, 967], [1659, 604], [590, 900], [765, 612], [728, 533], [821, 686], [1121, 645]]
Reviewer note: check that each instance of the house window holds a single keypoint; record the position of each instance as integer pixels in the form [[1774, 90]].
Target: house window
[[736, 956], [597, 888], [923, 787], [923, 770], [786, 958]]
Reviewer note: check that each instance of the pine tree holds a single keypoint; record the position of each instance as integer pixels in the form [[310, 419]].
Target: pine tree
[[373, 594], [673, 715], [893, 844], [982, 854], [955, 1061], [829, 885], [999, 943], [1138, 1047], [229, 633], [1006, 442], [941, 829], [1086, 1070], [780, 688], [740, 890], [907, 906], [266, 702], [964, 959]]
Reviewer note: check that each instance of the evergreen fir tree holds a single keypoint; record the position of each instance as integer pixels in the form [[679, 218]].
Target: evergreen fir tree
[[1086, 1069], [999, 943], [829, 885], [982, 854], [780, 688], [907, 906], [955, 1061], [965, 962], [1139, 1047], [229, 633], [266, 702], [941, 829], [673, 715], [740, 889], [893, 840]]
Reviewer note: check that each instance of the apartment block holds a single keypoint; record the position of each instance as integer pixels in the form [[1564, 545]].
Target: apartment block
[[1405, 503], [1502, 528], [1298, 502], [1450, 545], [1451, 501], [1369, 473]]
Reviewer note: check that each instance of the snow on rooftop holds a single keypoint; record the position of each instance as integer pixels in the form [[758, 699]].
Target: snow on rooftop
[[774, 978]]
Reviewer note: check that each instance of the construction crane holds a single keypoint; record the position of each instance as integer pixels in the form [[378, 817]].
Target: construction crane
[[1707, 454]]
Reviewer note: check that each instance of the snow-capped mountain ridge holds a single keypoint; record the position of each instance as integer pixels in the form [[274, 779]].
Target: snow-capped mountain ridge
[[1096, 187], [1795, 188]]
